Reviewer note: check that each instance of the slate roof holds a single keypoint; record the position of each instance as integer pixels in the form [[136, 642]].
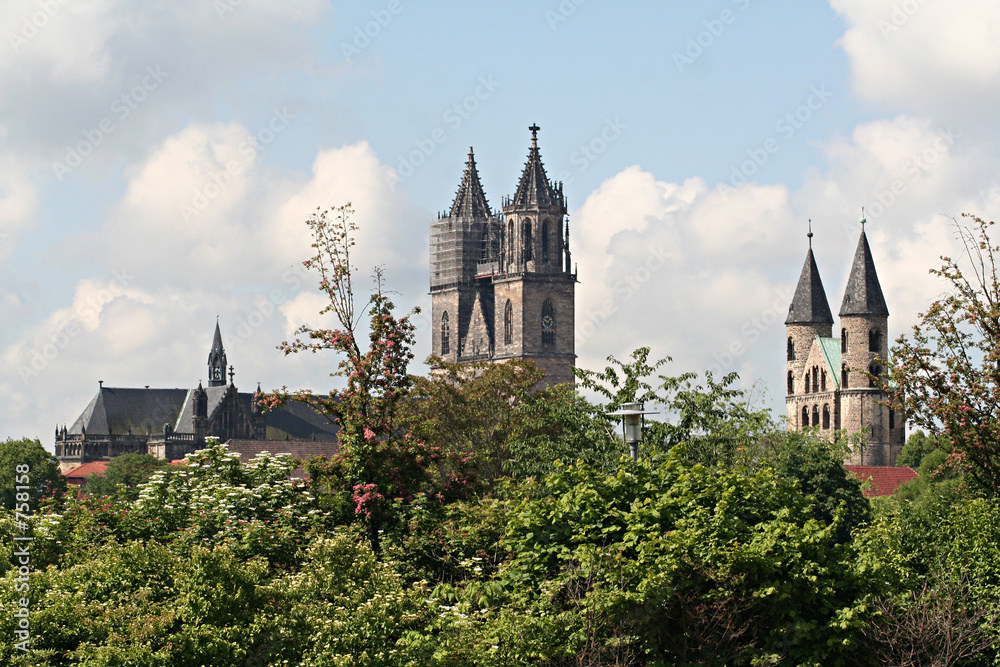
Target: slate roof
[[470, 200], [534, 188], [809, 304], [117, 410], [885, 479], [863, 295]]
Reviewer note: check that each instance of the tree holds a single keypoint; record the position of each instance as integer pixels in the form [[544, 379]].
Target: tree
[[129, 469], [376, 462], [917, 446], [947, 373], [25, 463]]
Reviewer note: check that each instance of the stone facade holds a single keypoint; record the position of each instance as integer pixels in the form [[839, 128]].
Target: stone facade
[[502, 286], [827, 387]]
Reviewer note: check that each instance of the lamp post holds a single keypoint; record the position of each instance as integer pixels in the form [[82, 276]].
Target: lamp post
[[632, 422]]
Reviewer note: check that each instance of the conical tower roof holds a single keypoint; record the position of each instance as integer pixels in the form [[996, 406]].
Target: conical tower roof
[[534, 188], [216, 342], [863, 295], [809, 305], [470, 200]]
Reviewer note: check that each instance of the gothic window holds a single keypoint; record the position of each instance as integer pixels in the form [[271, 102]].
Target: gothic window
[[815, 421], [805, 416], [548, 324], [815, 379], [791, 349], [526, 239], [843, 340], [545, 241], [445, 334], [508, 323], [822, 380], [874, 340], [791, 383], [843, 376], [826, 415], [510, 241], [806, 390]]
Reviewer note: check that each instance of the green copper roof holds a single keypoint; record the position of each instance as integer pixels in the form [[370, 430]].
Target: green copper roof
[[831, 354]]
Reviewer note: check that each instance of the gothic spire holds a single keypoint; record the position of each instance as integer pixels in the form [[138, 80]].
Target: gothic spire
[[809, 305], [217, 360], [470, 200], [863, 295], [534, 188]]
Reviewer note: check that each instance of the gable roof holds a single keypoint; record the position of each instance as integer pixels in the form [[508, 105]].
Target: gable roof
[[863, 295], [123, 410], [80, 473], [885, 479], [809, 304]]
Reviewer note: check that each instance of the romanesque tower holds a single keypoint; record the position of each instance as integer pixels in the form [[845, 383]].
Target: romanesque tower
[[502, 286], [826, 382]]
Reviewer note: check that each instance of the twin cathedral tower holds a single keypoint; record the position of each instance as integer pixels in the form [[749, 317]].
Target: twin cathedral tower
[[502, 287]]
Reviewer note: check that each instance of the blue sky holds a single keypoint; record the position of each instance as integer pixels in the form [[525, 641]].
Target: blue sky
[[694, 139]]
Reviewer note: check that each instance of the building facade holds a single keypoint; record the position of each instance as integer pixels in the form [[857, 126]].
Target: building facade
[[501, 283], [826, 382], [170, 423]]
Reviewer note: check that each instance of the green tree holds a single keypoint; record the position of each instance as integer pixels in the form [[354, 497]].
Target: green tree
[[947, 373], [917, 446], [129, 469], [25, 463]]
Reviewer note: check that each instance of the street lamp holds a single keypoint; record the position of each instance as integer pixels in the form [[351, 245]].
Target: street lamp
[[632, 421]]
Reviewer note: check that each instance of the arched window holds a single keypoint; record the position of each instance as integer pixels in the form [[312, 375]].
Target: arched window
[[875, 370], [815, 415], [445, 334], [548, 324], [806, 389], [511, 251], [791, 383], [874, 340], [791, 349], [545, 241], [843, 340], [815, 379], [805, 416], [822, 380], [526, 239], [826, 415], [508, 323]]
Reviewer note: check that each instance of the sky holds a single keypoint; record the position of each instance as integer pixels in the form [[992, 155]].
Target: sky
[[158, 159]]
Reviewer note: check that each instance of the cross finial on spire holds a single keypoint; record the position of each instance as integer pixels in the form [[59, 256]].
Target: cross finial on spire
[[863, 221], [534, 133], [232, 372], [810, 234]]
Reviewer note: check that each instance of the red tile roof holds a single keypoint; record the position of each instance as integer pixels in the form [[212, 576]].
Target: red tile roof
[[885, 479], [79, 474]]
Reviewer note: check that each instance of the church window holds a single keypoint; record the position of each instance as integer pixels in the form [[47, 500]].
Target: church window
[[806, 389], [508, 323], [815, 421], [791, 349], [874, 340], [548, 324], [892, 419], [791, 383], [843, 376], [815, 379], [805, 416], [545, 241], [526, 239], [826, 415], [511, 253], [875, 371], [445, 334], [822, 380], [843, 340]]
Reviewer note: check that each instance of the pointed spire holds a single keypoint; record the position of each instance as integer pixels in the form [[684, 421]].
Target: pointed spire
[[534, 188], [863, 295], [470, 200], [217, 360], [809, 305]]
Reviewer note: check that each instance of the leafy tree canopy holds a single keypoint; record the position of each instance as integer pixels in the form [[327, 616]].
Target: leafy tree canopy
[[25, 462]]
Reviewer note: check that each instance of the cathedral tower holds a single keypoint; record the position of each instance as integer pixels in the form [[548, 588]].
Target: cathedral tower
[[217, 361], [502, 285]]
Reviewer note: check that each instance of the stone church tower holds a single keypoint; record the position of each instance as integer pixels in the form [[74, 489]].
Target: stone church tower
[[502, 286], [826, 385]]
